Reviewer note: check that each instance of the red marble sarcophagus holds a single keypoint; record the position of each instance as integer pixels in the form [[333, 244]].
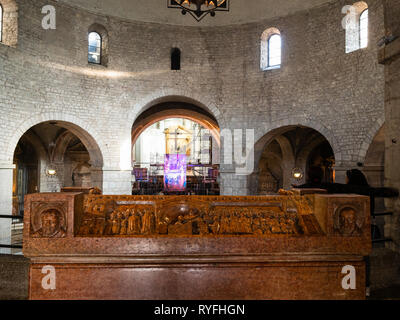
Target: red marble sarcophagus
[[86, 246]]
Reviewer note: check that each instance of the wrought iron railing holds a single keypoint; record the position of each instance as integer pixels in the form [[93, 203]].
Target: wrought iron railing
[[15, 218]]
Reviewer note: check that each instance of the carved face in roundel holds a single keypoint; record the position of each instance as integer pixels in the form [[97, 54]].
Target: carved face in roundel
[[50, 222], [347, 220]]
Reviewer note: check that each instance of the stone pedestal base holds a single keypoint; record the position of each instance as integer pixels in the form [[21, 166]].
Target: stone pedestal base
[[198, 281], [196, 248]]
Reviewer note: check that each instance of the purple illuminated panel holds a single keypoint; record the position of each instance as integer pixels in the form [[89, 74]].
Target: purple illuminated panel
[[175, 172]]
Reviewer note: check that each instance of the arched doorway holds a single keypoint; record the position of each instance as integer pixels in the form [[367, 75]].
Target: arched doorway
[[292, 155], [52, 155], [36, 160], [175, 130]]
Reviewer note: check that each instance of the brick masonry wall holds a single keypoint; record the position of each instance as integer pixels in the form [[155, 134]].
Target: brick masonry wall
[[47, 77]]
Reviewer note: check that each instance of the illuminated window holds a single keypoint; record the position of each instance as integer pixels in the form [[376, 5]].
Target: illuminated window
[[271, 49], [1, 22], [94, 55], [274, 51], [356, 23], [364, 29]]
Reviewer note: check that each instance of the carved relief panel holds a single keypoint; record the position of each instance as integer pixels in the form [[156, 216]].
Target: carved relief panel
[[48, 220], [348, 218], [108, 216]]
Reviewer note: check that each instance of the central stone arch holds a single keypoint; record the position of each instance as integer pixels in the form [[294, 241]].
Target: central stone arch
[[177, 96], [165, 110]]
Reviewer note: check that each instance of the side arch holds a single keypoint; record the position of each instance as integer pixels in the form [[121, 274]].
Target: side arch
[[88, 135], [277, 128], [373, 131], [295, 144]]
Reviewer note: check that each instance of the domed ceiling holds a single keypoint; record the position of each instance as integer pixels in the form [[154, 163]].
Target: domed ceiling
[[241, 11]]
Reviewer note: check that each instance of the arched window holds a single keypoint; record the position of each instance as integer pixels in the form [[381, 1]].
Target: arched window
[[175, 59], [1, 22], [9, 22], [94, 53], [364, 29], [274, 51], [356, 24], [271, 49]]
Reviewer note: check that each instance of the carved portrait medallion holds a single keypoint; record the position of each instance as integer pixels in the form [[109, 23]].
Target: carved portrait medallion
[[48, 221], [348, 221]]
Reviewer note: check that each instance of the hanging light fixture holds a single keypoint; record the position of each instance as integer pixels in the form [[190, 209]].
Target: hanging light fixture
[[51, 170], [199, 8], [297, 174]]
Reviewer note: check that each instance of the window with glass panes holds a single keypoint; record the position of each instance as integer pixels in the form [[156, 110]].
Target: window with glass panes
[[94, 54], [364, 29], [1, 23], [274, 51]]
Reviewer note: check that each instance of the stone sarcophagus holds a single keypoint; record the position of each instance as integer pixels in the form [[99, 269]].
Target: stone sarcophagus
[[88, 246]]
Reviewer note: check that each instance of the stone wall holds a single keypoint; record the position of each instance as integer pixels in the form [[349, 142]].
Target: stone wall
[[389, 56], [47, 77]]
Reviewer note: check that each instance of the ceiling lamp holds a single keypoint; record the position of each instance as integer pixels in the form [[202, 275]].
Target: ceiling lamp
[[51, 170], [297, 174], [199, 8]]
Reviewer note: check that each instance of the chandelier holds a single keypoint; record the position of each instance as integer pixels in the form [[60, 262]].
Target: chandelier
[[199, 8]]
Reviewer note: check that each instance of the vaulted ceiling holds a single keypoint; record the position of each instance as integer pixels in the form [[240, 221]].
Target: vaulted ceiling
[[241, 11]]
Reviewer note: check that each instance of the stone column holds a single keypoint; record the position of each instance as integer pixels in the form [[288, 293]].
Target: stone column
[[233, 184], [117, 181], [51, 183], [340, 173], [96, 175], [6, 184]]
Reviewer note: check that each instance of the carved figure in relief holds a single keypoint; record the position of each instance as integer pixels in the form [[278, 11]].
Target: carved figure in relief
[[347, 220], [115, 222], [275, 226], [95, 190], [131, 222], [148, 226], [124, 223], [245, 224], [84, 229], [224, 228], [203, 227], [284, 227], [257, 227], [99, 227], [51, 226], [215, 226], [108, 227], [268, 223], [181, 227], [162, 226]]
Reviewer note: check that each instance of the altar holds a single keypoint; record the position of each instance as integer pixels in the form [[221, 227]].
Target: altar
[[292, 246]]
